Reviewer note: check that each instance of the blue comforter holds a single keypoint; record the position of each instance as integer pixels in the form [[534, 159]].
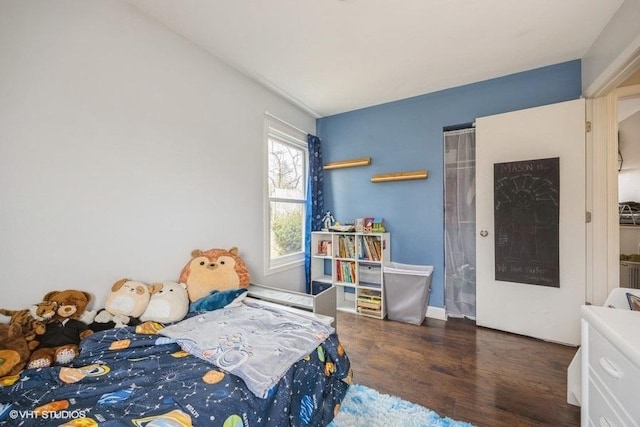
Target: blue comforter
[[134, 376]]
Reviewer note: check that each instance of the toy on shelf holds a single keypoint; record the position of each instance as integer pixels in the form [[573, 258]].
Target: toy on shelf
[[327, 221], [373, 225]]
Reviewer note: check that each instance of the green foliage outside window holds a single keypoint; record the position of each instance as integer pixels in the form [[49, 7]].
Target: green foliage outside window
[[287, 231]]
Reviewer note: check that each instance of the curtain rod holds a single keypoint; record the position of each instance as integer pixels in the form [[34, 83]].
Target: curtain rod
[[461, 126]]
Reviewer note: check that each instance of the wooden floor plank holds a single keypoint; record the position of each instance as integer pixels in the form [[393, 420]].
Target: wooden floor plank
[[483, 376]]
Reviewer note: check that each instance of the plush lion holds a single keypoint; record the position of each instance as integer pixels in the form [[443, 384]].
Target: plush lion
[[214, 270], [59, 344], [32, 320]]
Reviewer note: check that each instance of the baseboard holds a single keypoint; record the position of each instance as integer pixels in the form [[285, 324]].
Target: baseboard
[[436, 313]]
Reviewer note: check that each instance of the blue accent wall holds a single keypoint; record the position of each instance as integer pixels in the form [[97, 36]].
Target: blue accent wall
[[408, 135]]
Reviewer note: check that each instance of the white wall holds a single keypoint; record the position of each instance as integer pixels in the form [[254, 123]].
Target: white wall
[[122, 148], [629, 144], [629, 240], [618, 39]]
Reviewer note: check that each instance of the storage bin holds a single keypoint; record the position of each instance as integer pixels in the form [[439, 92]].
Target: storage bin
[[369, 275], [317, 287], [406, 289]]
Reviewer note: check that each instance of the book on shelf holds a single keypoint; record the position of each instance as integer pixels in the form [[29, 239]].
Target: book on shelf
[[370, 312], [369, 304], [371, 248], [371, 301], [370, 293], [346, 246], [324, 248], [346, 271]]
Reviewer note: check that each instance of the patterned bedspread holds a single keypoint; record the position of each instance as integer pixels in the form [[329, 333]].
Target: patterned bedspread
[[136, 377]]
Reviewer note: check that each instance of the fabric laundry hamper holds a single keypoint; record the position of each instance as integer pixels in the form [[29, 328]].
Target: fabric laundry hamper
[[406, 291]]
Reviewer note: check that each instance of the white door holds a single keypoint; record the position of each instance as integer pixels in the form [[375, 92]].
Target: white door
[[525, 137]]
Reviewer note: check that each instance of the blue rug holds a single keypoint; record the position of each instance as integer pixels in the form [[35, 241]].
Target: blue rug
[[363, 406]]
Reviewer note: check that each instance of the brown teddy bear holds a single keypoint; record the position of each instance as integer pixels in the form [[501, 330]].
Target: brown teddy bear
[[214, 270], [14, 350], [59, 344]]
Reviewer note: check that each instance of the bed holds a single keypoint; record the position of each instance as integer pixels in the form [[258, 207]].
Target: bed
[[251, 364]]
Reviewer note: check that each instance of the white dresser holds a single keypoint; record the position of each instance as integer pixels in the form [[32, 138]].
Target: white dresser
[[610, 367]]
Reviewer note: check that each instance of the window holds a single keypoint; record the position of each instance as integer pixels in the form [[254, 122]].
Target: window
[[286, 194]]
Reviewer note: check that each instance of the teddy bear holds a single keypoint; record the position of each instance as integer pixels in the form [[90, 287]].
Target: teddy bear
[[14, 349], [126, 302], [169, 302], [214, 270], [59, 344], [32, 320]]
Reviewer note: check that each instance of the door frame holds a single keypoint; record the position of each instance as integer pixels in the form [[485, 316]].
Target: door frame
[[603, 232]]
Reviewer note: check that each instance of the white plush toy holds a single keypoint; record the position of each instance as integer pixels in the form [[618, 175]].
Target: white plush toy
[[169, 302], [127, 301]]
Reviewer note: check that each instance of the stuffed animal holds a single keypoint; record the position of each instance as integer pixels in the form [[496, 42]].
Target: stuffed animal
[[59, 344], [88, 316], [125, 304], [169, 302], [33, 320], [214, 270], [14, 349]]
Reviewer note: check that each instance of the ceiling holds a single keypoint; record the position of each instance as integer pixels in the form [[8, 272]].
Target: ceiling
[[332, 56]]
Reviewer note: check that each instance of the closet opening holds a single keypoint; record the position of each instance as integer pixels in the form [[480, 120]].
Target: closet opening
[[460, 220]]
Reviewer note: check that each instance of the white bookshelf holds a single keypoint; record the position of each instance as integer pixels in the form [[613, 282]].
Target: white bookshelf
[[353, 264]]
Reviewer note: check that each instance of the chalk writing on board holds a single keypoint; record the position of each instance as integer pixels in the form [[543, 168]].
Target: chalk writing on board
[[526, 217]]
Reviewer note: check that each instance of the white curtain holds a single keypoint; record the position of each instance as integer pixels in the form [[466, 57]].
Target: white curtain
[[460, 225]]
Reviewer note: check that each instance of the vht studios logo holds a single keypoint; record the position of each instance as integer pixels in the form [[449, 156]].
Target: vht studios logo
[[15, 414]]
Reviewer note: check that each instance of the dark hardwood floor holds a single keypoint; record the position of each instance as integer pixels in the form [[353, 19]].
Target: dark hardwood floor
[[468, 373]]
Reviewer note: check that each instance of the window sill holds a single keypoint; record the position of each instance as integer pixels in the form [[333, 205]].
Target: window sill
[[285, 266]]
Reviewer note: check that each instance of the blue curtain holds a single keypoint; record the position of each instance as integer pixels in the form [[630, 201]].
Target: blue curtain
[[315, 202]]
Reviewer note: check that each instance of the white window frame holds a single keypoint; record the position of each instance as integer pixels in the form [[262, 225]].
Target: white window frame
[[284, 133]]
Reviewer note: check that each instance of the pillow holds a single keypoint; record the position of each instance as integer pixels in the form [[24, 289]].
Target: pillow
[[634, 301]]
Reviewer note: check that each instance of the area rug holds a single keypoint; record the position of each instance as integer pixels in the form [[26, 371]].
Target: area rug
[[363, 406]]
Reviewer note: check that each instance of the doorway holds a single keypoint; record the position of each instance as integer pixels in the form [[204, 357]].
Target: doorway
[[628, 119], [603, 236], [460, 223]]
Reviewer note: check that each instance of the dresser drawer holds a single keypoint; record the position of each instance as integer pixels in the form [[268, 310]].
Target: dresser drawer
[[603, 410], [616, 372]]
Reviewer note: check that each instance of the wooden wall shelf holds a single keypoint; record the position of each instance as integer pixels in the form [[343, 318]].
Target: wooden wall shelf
[[400, 176], [362, 161]]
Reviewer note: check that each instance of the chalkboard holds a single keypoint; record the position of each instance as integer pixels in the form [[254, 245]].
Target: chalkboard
[[526, 215]]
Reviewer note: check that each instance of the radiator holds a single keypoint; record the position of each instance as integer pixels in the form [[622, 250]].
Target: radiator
[[630, 274]]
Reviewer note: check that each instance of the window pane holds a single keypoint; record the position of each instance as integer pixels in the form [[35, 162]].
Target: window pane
[[286, 170], [287, 220]]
